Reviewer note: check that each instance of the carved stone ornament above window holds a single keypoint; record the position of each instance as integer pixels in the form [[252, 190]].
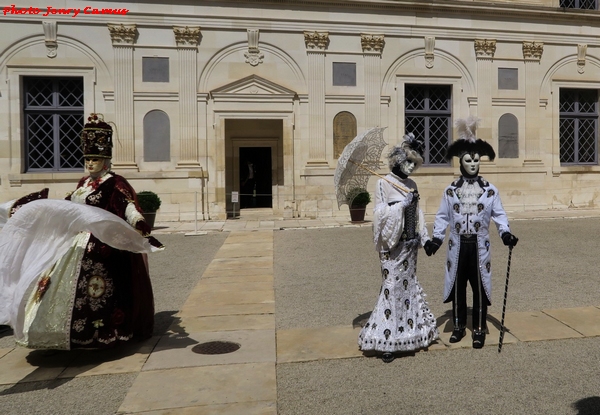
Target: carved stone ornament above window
[[485, 48], [121, 34], [533, 50], [429, 48], [581, 52], [50, 30], [253, 55], [187, 36], [316, 40], [372, 43]]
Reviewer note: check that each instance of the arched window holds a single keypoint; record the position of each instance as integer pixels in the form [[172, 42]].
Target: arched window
[[508, 136], [344, 130], [157, 136]]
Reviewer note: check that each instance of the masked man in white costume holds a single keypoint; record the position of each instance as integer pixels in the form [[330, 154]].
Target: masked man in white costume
[[467, 207]]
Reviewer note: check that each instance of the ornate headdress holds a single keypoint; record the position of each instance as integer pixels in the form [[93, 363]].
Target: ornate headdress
[[410, 148], [96, 137], [467, 142]]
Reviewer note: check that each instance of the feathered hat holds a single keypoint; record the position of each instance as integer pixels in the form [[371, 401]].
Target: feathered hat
[[410, 148], [467, 143], [96, 137]]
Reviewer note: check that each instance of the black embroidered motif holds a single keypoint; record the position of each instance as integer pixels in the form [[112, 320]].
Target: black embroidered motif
[[456, 207], [387, 333], [385, 273], [386, 292], [488, 266], [410, 322], [479, 207], [405, 283], [477, 225], [490, 193], [387, 313], [448, 264], [457, 227], [407, 302], [487, 245], [450, 193]]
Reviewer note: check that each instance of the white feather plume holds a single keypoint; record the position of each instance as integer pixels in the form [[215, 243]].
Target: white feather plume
[[467, 128]]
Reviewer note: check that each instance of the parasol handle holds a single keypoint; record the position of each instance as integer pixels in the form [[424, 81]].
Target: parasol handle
[[396, 185]]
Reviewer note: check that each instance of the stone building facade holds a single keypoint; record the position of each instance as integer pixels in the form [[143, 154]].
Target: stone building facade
[[198, 89]]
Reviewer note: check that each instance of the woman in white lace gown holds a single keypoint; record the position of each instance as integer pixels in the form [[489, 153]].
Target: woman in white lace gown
[[401, 319]]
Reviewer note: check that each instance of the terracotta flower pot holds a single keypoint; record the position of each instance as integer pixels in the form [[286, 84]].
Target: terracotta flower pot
[[357, 213]]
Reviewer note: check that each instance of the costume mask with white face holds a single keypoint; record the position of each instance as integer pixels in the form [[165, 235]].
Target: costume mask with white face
[[469, 164], [404, 169]]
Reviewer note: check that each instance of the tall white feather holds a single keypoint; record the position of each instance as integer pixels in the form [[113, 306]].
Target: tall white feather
[[467, 128]]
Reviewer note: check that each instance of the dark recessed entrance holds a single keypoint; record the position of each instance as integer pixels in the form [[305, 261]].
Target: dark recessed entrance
[[256, 189]]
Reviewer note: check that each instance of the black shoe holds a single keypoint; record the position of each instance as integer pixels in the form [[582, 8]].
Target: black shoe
[[387, 357], [478, 339], [457, 335]]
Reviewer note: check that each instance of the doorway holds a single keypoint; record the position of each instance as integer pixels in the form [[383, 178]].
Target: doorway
[[255, 177]]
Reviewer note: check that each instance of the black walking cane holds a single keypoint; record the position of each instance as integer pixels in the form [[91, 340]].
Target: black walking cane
[[505, 295]]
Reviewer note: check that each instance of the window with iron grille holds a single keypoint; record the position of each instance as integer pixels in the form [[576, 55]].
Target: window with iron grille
[[579, 4], [578, 126], [428, 116], [53, 115]]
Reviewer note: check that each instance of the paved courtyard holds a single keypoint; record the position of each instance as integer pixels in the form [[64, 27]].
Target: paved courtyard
[[293, 293]]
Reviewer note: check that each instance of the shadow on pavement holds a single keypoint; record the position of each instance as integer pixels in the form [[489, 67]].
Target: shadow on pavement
[[588, 406]]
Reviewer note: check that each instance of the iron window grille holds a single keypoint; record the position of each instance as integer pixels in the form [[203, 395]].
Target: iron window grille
[[578, 111], [428, 116], [53, 119], [579, 4]]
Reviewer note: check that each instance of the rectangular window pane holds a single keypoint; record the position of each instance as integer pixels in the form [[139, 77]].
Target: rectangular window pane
[[578, 126], [344, 74], [155, 69], [428, 116], [53, 115]]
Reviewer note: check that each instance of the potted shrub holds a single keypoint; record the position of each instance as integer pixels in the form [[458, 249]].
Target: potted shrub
[[358, 199], [149, 203]]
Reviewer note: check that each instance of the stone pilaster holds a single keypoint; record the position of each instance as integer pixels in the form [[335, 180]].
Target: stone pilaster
[[187, 39], [372, 47], [532, 54], [484, 51], [123, 38], [316, 45]]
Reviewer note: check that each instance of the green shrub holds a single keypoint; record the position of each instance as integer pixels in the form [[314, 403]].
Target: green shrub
[[149, 201], [359, 197]]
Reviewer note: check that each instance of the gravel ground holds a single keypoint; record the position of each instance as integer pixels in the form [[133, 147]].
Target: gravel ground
[[330, 277], [174, 273]]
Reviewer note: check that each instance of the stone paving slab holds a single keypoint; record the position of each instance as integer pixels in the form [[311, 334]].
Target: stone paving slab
[[199, 309], [201, 386], [130, 358], [233, 277], [217, 285], [242, 249], [535, 326], [250, 262], [245, 408], [217, 299], [25, 365], [227, 323], [215, 271], [585, 320], [256, 346], [306, 344]]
